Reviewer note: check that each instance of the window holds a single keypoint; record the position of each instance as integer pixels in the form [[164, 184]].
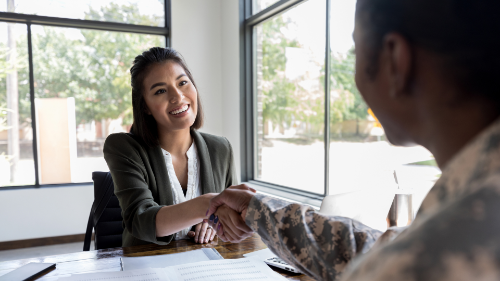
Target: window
[[16, 134], [149, 12], [65, 84], [298, 141], [290, 64]]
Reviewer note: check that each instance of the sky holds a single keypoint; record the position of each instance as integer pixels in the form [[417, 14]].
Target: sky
[[310, 19], [342, 25]]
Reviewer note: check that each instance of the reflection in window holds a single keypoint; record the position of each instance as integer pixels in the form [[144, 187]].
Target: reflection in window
[[141, 12], [82, 94], [16, 136], [290, 58]]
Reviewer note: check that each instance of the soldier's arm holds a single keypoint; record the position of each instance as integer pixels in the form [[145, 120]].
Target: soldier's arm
[[318, 245]]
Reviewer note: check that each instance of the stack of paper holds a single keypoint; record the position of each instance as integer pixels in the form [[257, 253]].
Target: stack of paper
[[134, 275], [263, 254], [236, 269], [161, 261], [246, 269]]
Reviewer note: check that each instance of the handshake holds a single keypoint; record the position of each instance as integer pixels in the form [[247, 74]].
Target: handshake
[[226, 213]]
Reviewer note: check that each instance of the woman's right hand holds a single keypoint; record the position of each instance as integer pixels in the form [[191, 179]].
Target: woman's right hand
[[230, 225], [237, 197]]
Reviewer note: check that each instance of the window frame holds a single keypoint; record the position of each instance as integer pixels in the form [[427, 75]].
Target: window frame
[[248, 135], [29, 20]]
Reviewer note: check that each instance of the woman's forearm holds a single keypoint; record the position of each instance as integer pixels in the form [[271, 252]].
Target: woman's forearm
[[172, 219]]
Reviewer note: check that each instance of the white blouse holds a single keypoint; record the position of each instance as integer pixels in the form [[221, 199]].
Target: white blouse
[[193, 185]]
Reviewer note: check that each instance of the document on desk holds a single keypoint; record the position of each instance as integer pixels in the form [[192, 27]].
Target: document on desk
[[148, 274], [245, 269], [161, 261], [263, 254]]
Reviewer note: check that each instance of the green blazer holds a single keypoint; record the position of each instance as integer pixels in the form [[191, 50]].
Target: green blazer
[[142, 184]]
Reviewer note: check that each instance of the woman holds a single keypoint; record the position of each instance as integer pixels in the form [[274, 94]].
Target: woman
[[429, 70], [165, 171]]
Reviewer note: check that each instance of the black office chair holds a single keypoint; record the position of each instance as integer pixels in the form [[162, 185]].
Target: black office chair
[[105, 215]]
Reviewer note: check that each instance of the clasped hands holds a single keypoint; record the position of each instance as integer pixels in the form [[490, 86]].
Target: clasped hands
[[226, 213]]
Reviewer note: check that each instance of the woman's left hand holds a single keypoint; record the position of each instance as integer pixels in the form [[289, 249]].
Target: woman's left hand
[[203, 233]]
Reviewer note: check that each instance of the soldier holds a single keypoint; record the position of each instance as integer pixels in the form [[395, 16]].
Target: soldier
[[429, 70]]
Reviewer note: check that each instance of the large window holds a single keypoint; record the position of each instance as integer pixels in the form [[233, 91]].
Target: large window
[[65, 83], [141, 12], [308, 131], [290, 62]]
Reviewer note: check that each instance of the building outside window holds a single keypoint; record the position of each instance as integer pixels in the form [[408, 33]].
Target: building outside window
[[290, 48], [65, 83]]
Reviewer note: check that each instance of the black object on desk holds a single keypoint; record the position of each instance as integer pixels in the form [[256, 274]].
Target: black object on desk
[[28, 271]]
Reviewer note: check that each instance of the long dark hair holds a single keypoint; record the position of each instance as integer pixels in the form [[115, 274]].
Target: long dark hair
[[465, 34], [145, 125]]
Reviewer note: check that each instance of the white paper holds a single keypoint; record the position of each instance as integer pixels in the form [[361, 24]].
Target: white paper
[[147, 274], [246, 269], [161, 261], [261, 254]]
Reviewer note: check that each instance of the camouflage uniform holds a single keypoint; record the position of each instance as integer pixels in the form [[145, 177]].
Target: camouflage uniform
[[455, 235]]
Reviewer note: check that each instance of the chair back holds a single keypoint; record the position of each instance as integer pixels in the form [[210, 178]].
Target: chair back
[[105, 215]]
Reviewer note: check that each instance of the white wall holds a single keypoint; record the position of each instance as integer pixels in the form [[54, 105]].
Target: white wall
[[231, 77], [196, 34], [206, 34], [44, 212]]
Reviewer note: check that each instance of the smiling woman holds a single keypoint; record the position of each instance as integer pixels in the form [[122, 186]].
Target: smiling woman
[[152, 74], [164, 170]]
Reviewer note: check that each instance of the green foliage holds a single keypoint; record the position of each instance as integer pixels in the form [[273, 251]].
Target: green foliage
[[278, 102], [349, 105], [21, 65], [123, 13], [285, 101], [3, 118], [93, 68]]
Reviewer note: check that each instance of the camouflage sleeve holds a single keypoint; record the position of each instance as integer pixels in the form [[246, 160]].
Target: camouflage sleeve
[[458, 242], [318, 245]]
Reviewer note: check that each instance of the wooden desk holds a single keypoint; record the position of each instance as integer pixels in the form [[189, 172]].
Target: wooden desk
[[109, 259]]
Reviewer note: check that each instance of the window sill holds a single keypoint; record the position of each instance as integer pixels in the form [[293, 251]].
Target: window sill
[[286, 193], [45, 186]]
